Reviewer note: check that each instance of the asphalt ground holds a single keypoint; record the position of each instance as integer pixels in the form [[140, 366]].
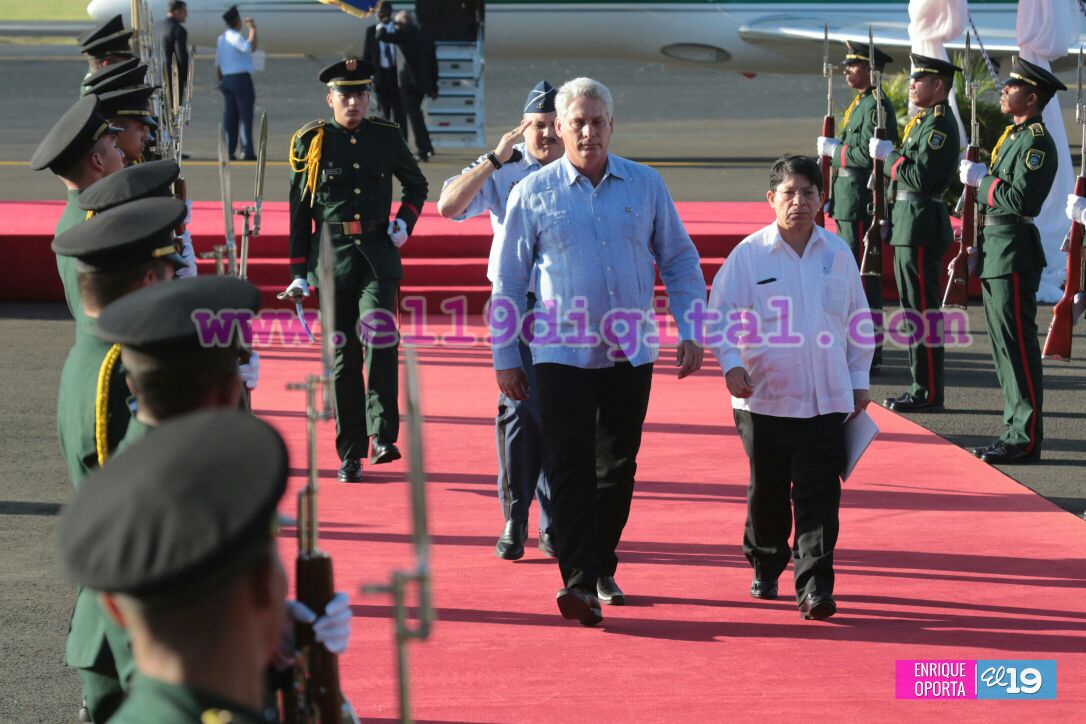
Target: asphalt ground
[[712, 137]]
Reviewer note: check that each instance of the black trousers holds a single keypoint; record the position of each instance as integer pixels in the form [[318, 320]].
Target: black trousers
[[412, 101], [592, 421], [387, 90], [801, 458]]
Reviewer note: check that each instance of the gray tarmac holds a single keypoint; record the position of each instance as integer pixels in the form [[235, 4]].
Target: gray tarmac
[[712, 137]]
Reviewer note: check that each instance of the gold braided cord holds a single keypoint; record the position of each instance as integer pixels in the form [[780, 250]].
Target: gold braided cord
[[851, 108], [911, 124], [309, 164], [999, 144], [88, 216], [101, 403]]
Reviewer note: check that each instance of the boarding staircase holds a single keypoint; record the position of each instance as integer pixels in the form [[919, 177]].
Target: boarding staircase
[[457, 118]]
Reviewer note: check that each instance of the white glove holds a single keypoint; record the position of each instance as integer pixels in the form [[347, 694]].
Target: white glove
[[397, 231], [298, 285], [1078, 306], [189, 255], [879, 148], [333, 629], [971, 262], [971, 172], [249, 372], [827, 146], [1076, 208]]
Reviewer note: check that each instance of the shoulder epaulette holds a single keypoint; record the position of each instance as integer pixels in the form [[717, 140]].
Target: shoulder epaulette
[[1037, 129], [312, 125], [378, 121], [940, 110]]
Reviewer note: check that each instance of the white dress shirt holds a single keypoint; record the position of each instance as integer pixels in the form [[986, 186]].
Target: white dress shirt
[[811, 325], [233, 53]]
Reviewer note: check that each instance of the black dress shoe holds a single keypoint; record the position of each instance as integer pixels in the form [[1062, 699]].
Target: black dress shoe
[[383, 452], [978, 452], [580, 605], [906, 402], [547, 546], [817, 606], [350, 471], [1002, 453], [511, 543], [609, 592], [763, 589]]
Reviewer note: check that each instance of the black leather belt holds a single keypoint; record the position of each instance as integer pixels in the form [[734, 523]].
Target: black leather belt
[[354, 228], [913, 197], [1005, 220], [854, 172]]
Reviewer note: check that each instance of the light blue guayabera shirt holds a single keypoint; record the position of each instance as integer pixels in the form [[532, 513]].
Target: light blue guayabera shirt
[[596, 251]]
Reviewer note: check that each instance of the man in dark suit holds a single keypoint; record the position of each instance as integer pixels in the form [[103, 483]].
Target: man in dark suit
[[418, 73], [173, 39], [382, 56]]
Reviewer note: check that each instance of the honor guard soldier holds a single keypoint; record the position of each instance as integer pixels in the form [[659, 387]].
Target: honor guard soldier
[[485, 186], [851, 201], [920, 173], [128, 110], [128, 74], [177, 537], [1010, 256], [116, 252], [80, 148], [342, 173], [106, 44]]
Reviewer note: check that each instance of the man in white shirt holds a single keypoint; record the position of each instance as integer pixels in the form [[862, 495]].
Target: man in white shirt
[[485, 186], [790, 324], [234, 70]]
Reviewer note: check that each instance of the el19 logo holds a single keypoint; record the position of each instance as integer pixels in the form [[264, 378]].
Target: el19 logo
[[1011, 679]]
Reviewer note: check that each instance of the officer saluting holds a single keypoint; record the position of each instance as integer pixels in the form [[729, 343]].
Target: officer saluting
[[851, 199], [342, 173], [1010, 256], [921, 172]]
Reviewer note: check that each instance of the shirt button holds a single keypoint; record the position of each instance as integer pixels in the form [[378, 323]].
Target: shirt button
[[608, 268], [356, 165], [354, 140], [358, 242], [358, 216], [358, 191]]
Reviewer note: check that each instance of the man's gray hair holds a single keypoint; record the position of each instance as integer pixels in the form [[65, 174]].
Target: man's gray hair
[[582, 88]]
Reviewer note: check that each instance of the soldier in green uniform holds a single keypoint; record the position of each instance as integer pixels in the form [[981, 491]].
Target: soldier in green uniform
[[128, 110], [1010, 256], [116, 252], [850, 203], [920, 174], [80, 148], [178, 536], [128, 74], [342, 180], [106, 44]]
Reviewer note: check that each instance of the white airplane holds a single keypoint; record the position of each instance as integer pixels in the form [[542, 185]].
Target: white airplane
[[752, 36]]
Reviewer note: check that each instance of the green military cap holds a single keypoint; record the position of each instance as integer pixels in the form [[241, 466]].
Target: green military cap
[[72, 137], [923, 65], [107, 38], [125, 236], [1029, 74], [133, 76], [141, 180], [160, 319], [129, 102], [348, 74], [180, 512], [860, 53]]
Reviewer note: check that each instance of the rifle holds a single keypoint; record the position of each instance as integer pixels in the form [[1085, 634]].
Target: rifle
[[420, 575], [316, 696], [250, 215], [1058, 341], [827, 124], [871, 264], [957, 286], [227, 204]]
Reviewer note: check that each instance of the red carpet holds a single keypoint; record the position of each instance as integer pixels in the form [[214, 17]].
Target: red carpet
[[940, 557], [443, 259]]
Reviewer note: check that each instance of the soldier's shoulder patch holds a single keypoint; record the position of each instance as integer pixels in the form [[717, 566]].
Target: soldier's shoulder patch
[[311, 126], [1037, 129], [1035, 158], [378, 121], [936, 140]]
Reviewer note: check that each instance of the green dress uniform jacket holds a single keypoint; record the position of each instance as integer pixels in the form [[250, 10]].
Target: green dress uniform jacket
[[851, 197], [1010, 260], [71, 216], [342, 178], [152, 700]]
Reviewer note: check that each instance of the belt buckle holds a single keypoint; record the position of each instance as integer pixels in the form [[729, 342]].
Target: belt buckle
[[352, 227]]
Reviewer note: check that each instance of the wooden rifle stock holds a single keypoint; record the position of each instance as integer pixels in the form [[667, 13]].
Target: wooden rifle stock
[[1058, 341], [824, 164], [871, 264], [316, 668], [957, 286]]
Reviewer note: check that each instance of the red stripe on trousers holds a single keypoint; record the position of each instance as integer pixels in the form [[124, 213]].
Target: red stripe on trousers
[[924, 319], [1025, 362]]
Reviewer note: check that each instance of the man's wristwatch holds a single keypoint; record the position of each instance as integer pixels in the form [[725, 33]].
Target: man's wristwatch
[[493, 158]]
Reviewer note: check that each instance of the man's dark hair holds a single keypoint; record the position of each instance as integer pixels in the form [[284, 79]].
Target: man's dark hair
[[176, 5], [99, 289], [794, 165], [169, 387]]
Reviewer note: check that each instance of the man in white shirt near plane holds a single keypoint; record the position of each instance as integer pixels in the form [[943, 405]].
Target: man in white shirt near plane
[[790, 324], [234, 71], [485, 186]]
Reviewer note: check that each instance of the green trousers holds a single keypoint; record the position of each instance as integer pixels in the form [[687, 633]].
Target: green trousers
[[852, 231], [917, 272], [1010, 309], [365, 314], [102, 691]]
